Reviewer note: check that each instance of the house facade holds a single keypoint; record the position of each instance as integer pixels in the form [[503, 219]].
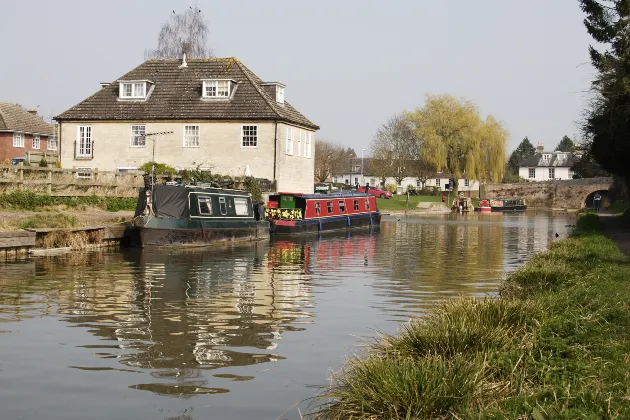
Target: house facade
[[547, 166], [212, 114], [361, 176], [23, 131]]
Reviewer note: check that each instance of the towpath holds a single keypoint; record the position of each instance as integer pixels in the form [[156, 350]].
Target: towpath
[[614, 227]]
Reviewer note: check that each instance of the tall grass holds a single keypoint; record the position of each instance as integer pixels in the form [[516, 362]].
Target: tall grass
[[30, 201], [50, 220], [555, 344]]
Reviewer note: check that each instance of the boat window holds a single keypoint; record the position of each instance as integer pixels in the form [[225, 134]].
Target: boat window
[[318, 209], [356, 205], [222, 206], [205, 206], [342, 206], [329, 205], [240, 206], [367, 204]]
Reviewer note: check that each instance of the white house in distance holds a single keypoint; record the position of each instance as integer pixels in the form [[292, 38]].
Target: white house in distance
[[212, 114], [439, 180], [547, 166]]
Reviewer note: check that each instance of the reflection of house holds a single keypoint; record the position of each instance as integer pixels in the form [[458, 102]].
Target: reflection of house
[[23, 131], [359, 174], [545, 166], [208, 113]]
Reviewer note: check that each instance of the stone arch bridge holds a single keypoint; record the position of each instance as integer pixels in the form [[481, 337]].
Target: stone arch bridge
[[564, 194]]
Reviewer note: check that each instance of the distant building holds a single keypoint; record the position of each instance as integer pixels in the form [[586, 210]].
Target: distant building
[[439, 180], [546, 166], [212, 114], [23, 130]]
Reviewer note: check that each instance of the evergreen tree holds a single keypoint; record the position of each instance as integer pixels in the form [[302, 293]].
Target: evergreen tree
[[608, 121], [522, 152], [565, 145]]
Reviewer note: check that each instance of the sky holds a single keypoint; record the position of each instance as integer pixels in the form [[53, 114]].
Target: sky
[[348, 65]]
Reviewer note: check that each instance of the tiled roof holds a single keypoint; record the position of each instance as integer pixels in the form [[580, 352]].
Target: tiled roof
[[177, 95], [554, 161], [15, 118]]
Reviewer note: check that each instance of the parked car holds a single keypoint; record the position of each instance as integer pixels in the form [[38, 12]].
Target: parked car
[[377, 192]]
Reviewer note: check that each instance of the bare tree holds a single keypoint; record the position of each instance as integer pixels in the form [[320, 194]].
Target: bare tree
[[423, 171], [331, 159], [183, 31], [396, 149]]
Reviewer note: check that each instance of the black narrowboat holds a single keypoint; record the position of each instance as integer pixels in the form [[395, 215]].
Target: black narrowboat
[[290, 213], [502, 204], [184, 215]]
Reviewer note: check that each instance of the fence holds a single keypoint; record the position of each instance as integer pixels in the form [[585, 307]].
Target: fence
[[86, 182]]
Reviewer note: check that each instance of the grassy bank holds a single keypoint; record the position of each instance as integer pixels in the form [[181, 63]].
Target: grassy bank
[[29, 201], [398, 202], [556, 344]]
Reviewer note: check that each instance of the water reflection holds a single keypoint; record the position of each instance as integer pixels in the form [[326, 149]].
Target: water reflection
[[173, 320]]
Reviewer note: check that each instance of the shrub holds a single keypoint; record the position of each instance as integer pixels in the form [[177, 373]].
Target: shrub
[[160, 168], [43, 163]]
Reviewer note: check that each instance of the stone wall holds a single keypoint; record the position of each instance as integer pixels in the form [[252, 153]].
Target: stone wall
[[566, 194]]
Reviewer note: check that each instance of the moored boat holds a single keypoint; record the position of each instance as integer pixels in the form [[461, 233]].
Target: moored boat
[[183, 215], [290, 213], [502, 204]]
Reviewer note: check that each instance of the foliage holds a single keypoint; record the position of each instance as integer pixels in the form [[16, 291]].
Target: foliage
[[565, 145], [553, 345], [586, 166], [455, 138], [50, 220], [43, 163], [524, 150], [29, 201], [186, 30], [160, 168], [331, 159], [252, 186], [510, 177], [608, 119]]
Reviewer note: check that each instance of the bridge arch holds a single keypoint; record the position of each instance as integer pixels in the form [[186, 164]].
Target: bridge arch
[[588, 200]]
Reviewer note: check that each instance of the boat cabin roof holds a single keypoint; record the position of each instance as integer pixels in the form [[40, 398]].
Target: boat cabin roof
[[332, 196]]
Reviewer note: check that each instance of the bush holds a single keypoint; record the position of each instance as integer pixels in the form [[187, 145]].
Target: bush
[[160, 168]]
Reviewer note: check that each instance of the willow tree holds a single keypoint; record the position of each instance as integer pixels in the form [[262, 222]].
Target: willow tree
[[187, 30], [455, 138]]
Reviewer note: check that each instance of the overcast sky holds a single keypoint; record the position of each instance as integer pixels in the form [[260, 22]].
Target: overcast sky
[[348, 65]]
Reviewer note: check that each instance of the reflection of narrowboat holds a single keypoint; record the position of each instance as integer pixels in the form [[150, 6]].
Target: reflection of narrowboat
[[195, 216], [502, 204], [296, 213]]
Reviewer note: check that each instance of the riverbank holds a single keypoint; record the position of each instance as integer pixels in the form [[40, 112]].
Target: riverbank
[[556, 343]]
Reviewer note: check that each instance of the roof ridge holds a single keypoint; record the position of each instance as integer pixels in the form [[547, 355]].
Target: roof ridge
[[246, 72]]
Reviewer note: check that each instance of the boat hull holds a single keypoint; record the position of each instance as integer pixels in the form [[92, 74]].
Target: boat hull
[[508, 208], [191, 233], [334, 223]]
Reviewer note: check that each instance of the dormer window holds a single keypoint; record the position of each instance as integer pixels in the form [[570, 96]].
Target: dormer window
[[280, 94], [133, 90], [217, 88], [546, 156]]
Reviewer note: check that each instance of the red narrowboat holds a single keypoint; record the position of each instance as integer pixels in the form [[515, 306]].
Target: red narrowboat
[[290, 213]]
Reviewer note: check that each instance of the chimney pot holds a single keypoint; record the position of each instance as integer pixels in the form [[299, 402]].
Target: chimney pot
[[540, 148]]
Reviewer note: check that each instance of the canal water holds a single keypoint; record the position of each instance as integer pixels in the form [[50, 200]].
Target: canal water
[[246, 332]]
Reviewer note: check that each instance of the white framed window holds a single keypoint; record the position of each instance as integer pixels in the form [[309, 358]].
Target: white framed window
[[299, 143], [289, 145], [466, 183], [133, 90], [52, 143], [552, 173], [84, 175], [84, 141], [205, 206], [222, 206], [191, 136], [546, 156], [249, 136], [18, 140], [138, 138], [418, 183], [240, 206], [307, 144], [532, 173], [216, 88], [280, 94], [36, 142], [438, 182], [356, 180]]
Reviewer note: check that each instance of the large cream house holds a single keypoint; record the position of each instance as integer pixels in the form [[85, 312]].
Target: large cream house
[[210, 113]]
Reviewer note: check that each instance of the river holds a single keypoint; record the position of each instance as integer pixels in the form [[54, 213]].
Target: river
[[243, 332]]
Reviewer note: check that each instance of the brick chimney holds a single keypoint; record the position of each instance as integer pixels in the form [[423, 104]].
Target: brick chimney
[[540, 148]]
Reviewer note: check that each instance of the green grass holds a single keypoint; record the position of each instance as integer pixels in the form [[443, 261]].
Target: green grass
[[556, 344], [50, 220], [618, 207], [29, 201], [398, 202]]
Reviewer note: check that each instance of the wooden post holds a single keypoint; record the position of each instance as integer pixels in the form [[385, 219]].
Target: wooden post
[[21, 176], [115, 185], [49, 180]]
